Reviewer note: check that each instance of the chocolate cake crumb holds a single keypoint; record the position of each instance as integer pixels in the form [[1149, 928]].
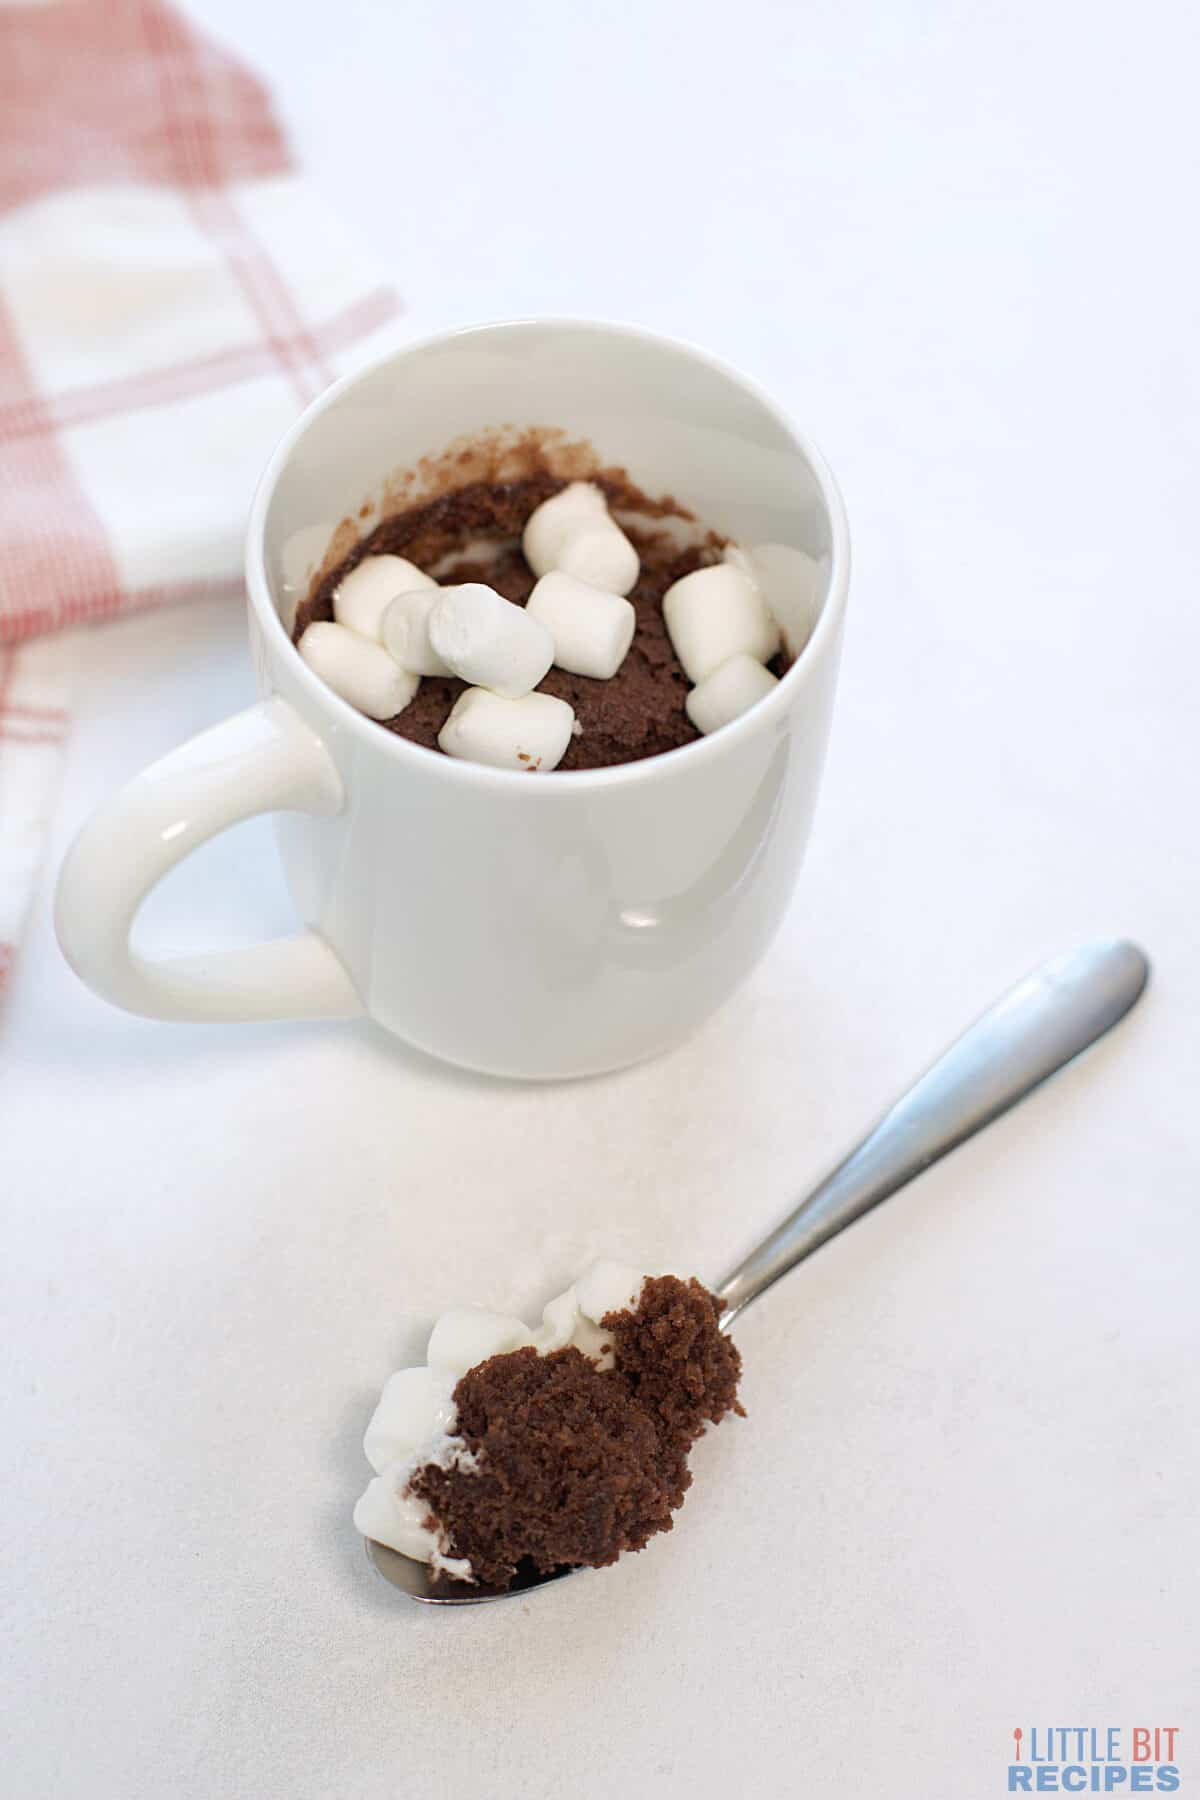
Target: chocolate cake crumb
[[578, 1463], [472, 533], [672, 1353]]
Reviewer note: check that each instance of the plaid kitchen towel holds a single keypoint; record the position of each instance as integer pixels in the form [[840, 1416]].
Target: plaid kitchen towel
[[170, 297]]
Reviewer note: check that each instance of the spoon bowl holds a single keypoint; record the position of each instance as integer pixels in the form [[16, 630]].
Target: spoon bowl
[[421, 1582]]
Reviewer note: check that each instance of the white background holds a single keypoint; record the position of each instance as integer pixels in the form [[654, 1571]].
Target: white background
[[958, 242]]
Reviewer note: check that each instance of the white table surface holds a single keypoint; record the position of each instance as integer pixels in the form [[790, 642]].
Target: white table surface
[[956, 240]]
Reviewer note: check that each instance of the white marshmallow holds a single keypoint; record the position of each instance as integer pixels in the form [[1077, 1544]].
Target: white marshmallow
[[469, 1335], [415, 1404], [361, 672], [560, 1319], [360, 601], [488, 641], [733, 553], [609, 1287], [732, 689], [602, 555], [527, 734], [405, 632], [549, 525], [386, 1515], [715, 613], [592, 629], [573, 531]]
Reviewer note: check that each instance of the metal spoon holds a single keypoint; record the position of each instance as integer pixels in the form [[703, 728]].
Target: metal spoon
[[1036, 1029]]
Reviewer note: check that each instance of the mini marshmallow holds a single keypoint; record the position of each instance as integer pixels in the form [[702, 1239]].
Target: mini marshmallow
[[733, 553], [414, 1405], [560, 1318], [405, 632], [549, 525], [469, 1335], [383, 1516], [728, 691], [573, 531], [488, 641], [716, 613], [592, 629], [527, 734], [602, 555], [609, 1287], [361, 672], [360, 601]]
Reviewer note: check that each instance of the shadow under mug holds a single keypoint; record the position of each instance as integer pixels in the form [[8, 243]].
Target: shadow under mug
[[536, 926]]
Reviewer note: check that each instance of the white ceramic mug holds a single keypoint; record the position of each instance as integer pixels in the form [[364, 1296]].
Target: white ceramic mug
[[524, 925]]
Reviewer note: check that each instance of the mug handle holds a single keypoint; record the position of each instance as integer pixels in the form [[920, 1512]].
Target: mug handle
[[262, 760]]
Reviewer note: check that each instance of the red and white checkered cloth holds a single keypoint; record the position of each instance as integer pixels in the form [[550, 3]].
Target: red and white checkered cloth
[[170, 296]]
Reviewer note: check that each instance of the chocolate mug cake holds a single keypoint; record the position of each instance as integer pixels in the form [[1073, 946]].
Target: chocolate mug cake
[[536, 622]]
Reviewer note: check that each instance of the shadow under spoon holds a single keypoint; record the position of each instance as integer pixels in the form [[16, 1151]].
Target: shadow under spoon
[[1035, 1030]]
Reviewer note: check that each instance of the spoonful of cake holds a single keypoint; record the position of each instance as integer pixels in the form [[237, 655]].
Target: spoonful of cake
[[513, 1457]]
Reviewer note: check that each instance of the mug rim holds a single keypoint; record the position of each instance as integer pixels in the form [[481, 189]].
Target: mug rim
[[389, 743]]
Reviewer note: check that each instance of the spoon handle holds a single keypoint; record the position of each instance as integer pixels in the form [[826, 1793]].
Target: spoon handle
[[1037, 1028]]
